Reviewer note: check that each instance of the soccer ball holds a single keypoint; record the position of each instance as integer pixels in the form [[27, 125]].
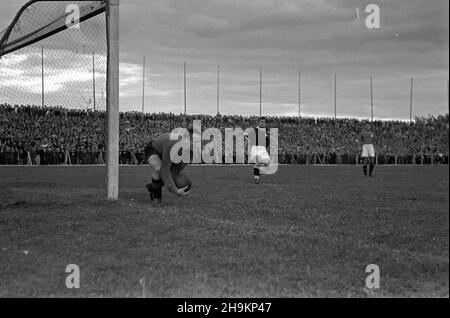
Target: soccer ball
[[181, 179]]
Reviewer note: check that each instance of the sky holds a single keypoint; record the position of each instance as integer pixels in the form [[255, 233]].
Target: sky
[[319, 38]]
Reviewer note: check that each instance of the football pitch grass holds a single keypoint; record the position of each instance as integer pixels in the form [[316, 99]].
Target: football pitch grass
[[307, 231]]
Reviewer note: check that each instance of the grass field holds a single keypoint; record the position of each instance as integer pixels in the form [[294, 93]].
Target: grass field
[[305, 232]]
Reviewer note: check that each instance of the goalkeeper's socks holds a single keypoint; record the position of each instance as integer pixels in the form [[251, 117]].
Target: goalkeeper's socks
[[371, 169], [156, 192], [365, 170]]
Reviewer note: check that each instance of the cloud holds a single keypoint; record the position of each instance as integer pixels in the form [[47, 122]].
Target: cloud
[[318, 37]]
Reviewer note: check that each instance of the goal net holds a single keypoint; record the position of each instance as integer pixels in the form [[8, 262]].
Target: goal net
[[54, 54], [66, 54]]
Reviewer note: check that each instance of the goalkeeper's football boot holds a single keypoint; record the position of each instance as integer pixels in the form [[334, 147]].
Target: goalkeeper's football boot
[[154, 194]]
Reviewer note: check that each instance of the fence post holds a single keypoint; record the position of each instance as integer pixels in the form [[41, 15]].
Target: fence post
[[29, 161]]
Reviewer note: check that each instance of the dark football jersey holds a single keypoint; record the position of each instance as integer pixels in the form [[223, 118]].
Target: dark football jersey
[[367, 137], [262, 137], [163, 145]]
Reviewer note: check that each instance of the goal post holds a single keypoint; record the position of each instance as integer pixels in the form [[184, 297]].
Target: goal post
[[67, 51], [112, 109]]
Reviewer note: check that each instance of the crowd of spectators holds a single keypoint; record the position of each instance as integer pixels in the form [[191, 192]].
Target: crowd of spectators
[[44, 136]]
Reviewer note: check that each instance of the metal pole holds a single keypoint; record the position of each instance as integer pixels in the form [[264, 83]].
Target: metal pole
[[260, 92], [93, 79], [371, 98], [411, 100], [335, 95], [299, 94], [218, 85], [112, 165], [185, 88], [42, 77], [143, 85]]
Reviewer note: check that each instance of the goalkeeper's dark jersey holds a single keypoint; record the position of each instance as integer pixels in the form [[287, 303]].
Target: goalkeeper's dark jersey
[[162, 145]]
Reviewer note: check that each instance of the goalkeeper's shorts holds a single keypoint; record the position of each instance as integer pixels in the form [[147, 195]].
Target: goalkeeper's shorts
[[149, 150], [259, 155]]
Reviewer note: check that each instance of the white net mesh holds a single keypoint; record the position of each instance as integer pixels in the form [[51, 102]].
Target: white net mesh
[[43, 62]]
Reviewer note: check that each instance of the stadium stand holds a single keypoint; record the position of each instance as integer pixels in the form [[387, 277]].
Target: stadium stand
[[31, 135]]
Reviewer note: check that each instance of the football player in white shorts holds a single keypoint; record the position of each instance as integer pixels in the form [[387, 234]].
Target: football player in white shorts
[[258, 152], [368, 151]]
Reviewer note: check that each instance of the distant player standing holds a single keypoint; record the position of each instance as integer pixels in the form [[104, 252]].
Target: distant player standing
[[258, 151], [368, 151]]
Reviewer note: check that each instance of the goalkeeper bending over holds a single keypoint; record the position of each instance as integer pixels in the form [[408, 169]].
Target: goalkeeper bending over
[[157, 154]]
